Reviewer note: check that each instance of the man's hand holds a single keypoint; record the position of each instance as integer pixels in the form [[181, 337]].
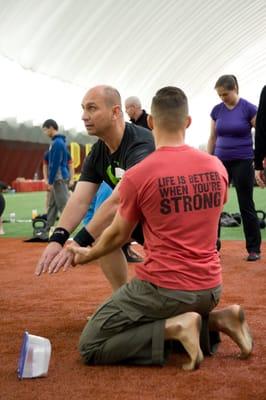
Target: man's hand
[[47, 256], [260, 178], [81, 254], [54, 258]]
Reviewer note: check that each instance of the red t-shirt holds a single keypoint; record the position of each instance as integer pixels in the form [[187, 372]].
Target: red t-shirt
[[177, 193]]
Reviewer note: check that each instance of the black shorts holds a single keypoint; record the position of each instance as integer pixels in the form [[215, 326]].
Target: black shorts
[[137, 234]]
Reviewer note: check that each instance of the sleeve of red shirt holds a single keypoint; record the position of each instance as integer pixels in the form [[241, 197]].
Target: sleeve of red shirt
[[128, 200]]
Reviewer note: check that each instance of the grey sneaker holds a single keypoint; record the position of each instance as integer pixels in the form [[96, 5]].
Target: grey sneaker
[[253, 257]]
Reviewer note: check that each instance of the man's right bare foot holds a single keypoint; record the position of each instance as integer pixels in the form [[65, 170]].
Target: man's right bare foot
[[186, 328], [231, 321]]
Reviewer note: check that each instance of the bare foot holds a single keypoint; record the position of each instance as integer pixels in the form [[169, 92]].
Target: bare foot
[[231, 321], [186, 329]]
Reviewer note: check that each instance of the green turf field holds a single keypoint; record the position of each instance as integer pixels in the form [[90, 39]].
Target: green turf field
[[23, 203], [231, 206]]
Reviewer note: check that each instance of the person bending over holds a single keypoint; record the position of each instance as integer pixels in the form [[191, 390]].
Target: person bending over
[[120, 146]]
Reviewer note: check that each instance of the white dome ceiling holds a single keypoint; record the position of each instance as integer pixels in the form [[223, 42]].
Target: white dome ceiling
[[139, 46]]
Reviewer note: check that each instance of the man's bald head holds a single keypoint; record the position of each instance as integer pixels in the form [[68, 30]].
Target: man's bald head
[[133, 101], [133, 107], [102, 110], [110, 94]]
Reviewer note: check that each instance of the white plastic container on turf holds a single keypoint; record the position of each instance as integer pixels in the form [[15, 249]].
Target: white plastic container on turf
[[34, 356]]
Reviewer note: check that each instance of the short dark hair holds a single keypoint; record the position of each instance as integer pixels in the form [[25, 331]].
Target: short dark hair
[[228, 82], [169, 108], [50, 123]]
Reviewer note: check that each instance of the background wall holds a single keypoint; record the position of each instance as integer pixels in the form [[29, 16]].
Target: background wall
[[22, 147]]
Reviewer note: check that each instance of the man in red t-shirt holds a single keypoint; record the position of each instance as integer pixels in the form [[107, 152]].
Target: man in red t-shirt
[[177, 193]]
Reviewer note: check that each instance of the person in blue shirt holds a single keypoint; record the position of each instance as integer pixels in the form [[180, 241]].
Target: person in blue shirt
[[102, 194], [58, 170]]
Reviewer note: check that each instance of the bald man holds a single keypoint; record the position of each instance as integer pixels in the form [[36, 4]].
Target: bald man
[[137, 115], [120, 146]]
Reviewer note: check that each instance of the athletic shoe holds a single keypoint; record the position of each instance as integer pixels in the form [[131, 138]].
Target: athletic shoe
[[253, 257]]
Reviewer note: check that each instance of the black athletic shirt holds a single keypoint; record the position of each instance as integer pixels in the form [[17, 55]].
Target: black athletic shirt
[[100, 165], [142, 120]]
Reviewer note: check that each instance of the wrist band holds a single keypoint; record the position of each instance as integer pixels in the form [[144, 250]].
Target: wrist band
[[60, 235], [84, 238]]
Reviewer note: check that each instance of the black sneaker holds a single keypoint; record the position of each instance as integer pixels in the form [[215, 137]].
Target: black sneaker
[[253, 257], [131, 255]]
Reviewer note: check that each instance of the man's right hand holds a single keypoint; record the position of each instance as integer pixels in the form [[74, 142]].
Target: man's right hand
[[54, 258]]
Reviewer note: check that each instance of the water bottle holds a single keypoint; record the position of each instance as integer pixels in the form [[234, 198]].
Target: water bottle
[[34, 213], [12, 217]]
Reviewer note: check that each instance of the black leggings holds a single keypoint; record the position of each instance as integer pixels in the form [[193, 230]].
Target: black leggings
[[242, 174], [2, 204]]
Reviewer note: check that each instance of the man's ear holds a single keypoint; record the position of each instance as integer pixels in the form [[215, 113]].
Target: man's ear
[[188, 121], [150, 122], [117, 112]]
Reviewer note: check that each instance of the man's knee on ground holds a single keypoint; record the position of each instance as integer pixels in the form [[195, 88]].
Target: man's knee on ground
[[88, 343]]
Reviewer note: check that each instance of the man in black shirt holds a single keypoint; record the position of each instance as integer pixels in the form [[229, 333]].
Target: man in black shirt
[[120, 146], [137, 115]]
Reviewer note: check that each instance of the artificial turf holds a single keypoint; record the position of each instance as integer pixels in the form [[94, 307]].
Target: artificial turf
[[23, 204]]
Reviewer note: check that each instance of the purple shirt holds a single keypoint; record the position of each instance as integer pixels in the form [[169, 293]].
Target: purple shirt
[[233, 131]]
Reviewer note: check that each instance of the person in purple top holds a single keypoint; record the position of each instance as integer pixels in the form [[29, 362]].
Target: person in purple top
[[231, 141]]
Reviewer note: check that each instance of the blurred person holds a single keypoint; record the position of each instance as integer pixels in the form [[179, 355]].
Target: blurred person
[[231, 141], [260, 140], [135, 112], [49, 194], [138, 116], [180, 281], [3, 186], [102, 194], [58, 171], [120, 146]]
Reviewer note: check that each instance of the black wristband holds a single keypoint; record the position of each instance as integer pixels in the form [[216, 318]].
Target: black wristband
[[60, 235], [84, 238]]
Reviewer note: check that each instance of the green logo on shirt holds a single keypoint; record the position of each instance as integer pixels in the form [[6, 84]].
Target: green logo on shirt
[[111, 176]]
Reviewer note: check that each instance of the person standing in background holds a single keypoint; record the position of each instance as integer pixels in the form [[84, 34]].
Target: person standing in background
[[137, 115], [260, 140], [3, 186], [231, 141], [58, 171], [49, 193]]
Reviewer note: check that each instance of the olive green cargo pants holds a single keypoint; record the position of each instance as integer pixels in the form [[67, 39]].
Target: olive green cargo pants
[[129, 327]]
